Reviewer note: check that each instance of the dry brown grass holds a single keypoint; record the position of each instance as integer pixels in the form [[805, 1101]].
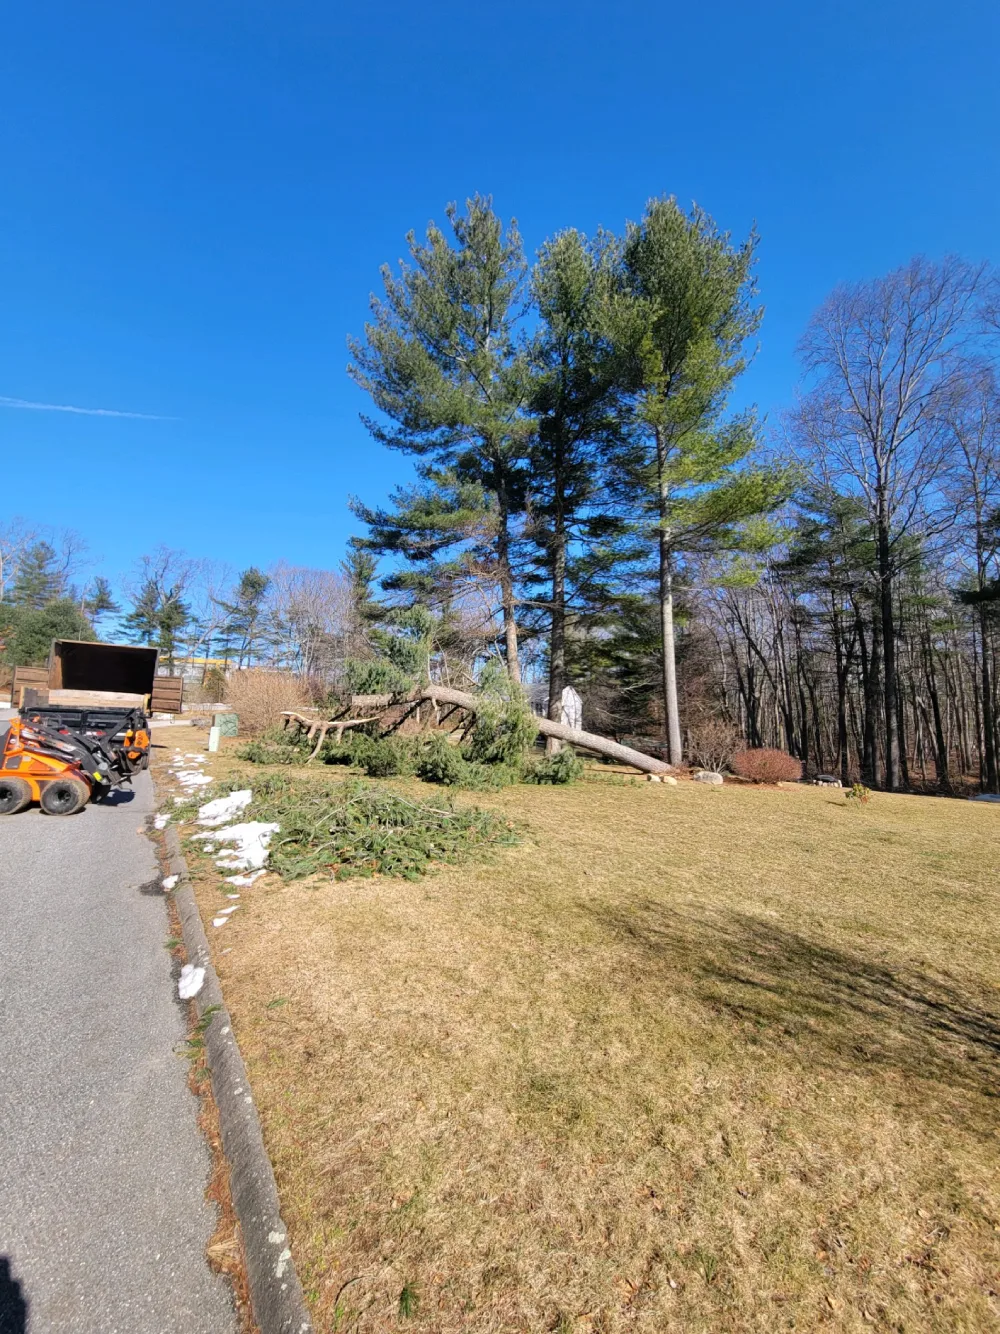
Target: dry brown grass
[[259, 697], [693, 1060]]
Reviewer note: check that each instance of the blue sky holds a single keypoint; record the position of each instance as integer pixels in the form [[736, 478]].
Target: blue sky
[[196, 200]]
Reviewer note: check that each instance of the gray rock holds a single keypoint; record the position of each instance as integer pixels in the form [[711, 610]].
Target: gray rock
[[703, 776]]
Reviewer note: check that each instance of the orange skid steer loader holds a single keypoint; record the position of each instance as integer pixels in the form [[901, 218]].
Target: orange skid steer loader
[[63, 757]]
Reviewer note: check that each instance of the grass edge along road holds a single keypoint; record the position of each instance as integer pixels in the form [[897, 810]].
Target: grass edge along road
[[686, 1059]]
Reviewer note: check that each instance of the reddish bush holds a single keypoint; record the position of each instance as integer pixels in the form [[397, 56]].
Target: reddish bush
[[767, 766]]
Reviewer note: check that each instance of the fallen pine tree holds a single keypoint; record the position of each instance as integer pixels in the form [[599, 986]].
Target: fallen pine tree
[[600, 745]]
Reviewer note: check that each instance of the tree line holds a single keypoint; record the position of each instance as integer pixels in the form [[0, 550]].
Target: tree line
[[288, 617], [827, 583]]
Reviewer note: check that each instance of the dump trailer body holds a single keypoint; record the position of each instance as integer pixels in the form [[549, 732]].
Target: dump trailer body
[[117, 669], [85, 673]]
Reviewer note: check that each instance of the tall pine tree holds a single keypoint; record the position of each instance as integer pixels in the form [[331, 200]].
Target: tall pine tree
[[445, 365], [691, 304], [578, 401]]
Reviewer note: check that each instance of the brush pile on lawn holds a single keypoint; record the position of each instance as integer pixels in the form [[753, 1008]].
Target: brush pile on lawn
[[361, 829]]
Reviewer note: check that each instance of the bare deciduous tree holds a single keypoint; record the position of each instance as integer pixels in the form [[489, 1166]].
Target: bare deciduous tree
[[883, 357], [972, 420], [15, 537], [308, 612]]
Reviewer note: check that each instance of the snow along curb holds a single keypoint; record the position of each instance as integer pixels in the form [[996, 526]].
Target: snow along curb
[[275, 1292]]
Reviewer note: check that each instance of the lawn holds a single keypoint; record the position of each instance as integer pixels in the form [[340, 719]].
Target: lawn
[[687, 1059]]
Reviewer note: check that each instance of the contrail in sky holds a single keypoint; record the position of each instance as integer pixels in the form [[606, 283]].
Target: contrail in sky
[[83, 412]]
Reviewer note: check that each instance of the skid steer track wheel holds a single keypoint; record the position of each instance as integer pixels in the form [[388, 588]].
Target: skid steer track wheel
[[15, 794], [63, 796]]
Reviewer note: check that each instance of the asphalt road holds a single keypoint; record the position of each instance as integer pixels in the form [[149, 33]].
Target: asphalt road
[[103, 1221]]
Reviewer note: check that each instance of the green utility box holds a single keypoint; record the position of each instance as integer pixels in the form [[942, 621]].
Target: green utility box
[[227, 723]]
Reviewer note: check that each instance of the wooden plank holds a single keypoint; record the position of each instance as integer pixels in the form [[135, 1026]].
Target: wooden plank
[[164, 706], [168, 694], [32, 678]]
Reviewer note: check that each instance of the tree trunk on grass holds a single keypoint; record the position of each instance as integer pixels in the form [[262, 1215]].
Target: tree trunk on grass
[[585, 740]]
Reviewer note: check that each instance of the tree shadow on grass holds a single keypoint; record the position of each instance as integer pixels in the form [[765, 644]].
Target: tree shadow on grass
[[832, 1007]]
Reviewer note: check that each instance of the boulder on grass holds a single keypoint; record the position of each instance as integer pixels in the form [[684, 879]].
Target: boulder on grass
[[703, 776]]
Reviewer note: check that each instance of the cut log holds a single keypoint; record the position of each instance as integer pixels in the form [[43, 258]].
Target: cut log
[[600, 745]]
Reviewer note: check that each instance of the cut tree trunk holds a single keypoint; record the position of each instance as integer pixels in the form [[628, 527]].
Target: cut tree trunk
[[585, 740]]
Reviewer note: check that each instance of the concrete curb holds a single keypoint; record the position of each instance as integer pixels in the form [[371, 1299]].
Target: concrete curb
[[275, 1291]]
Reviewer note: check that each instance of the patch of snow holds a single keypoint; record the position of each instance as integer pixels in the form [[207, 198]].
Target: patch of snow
[[224, 912], [169, 881], [161, 821], [193, 778], [219, 921], [222, 809], [232, 896], [251, 843], [190, 981]]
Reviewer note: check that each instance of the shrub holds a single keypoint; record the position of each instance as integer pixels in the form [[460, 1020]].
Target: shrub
[[858, 794], [565, 766], [713, 743], [767, 766], [260, 697]]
